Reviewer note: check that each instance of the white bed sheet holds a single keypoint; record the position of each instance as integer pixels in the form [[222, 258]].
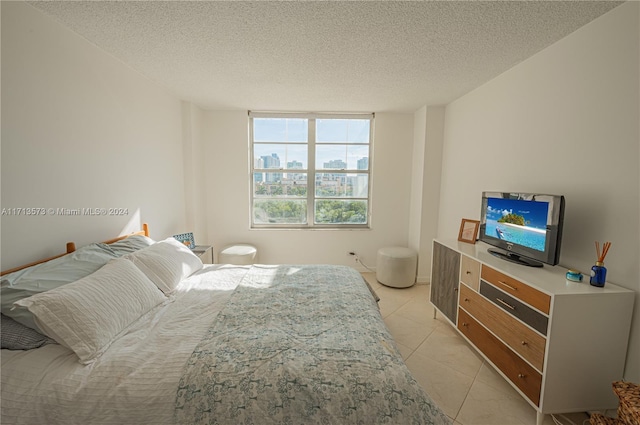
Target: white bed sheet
[[135, 380]]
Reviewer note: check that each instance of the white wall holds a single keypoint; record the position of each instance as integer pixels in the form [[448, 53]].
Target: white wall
[[417, 191], [428, 137], [194, 182], [226, 151], [565, 121], [81, 130]]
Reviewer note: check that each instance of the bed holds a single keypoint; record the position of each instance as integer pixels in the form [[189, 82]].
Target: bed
[[136, 331]]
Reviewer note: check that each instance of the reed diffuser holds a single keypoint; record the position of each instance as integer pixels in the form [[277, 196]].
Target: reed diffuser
[[599, 271]]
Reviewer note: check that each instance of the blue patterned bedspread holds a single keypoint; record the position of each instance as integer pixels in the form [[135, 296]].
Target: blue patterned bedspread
[[300, 345]]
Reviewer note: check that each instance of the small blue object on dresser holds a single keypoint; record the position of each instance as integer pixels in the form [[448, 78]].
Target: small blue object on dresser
[[187, 239], [574, 275]]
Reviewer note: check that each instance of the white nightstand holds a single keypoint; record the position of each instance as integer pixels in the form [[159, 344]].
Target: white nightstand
[[205, 252]]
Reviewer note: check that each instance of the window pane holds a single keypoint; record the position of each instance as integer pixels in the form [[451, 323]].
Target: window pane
[[280, 156], [280, 130], [342, 157], [342, 130], [280, 184], [342, 185], [279, 211], [340, 212]]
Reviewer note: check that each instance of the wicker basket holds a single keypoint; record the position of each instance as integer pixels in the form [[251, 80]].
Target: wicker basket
[[598, 419], [628, 408]]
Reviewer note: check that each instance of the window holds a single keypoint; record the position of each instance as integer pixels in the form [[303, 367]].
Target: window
[[310, 170]]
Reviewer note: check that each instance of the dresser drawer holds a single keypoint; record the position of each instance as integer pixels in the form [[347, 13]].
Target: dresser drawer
[[524, 341], [525, 377], [513, 306], [517, 289], [470, 272]]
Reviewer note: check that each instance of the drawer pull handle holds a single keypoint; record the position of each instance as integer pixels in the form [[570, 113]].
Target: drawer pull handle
[[468, 272], [513, 288], [466, 299], [465, 324], [506, 304], [522, 375], [524, 343]]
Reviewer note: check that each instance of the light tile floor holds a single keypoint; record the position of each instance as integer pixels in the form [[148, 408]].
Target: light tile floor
[[457, 378]]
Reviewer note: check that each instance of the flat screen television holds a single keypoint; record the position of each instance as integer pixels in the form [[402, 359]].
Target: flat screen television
[[527, 227]]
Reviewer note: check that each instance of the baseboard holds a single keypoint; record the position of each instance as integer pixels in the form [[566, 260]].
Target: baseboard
[[423, 280], [420, 280]]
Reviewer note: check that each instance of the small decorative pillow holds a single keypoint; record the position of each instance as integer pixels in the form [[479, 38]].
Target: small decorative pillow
[[15, 336], [86, 316], [166, 263]]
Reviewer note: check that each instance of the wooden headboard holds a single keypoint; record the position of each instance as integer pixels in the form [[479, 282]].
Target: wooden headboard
[[72, 247]]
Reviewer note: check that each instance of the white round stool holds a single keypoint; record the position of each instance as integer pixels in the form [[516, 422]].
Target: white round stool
[[239, 254], [397, 267]]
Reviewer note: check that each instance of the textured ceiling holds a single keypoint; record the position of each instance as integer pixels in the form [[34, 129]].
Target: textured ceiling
[[323, 56]]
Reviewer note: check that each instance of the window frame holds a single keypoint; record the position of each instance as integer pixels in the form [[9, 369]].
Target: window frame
[[311, 170]]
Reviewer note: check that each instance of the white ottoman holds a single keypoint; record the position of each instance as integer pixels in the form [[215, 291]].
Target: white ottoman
[[397, 267], [239, 254]]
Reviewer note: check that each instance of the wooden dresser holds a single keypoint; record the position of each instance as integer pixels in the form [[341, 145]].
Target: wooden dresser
[[559, 343]]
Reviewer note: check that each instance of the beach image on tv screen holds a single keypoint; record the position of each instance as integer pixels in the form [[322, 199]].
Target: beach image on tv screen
[[518, 221]]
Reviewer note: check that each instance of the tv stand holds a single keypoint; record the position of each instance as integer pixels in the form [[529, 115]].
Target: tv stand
[[514, 258], [534, 327]]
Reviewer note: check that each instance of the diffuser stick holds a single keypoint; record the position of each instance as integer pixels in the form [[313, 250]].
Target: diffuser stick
[[605, 250]]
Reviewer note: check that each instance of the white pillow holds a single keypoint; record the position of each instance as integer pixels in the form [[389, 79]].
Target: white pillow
[[166, 263], [89, 314]]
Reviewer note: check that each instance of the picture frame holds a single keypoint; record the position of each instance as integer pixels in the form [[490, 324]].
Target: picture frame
[[187, 239], [468, 230]]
